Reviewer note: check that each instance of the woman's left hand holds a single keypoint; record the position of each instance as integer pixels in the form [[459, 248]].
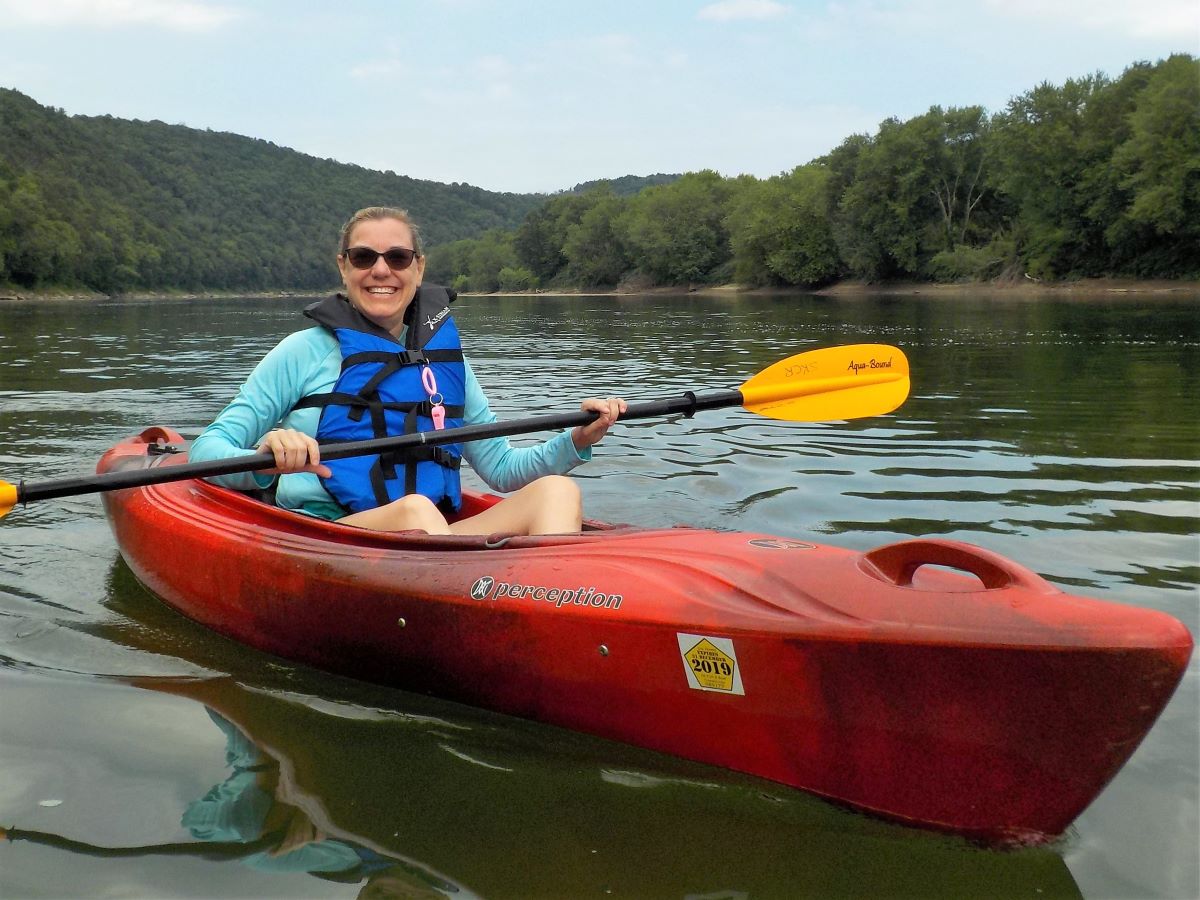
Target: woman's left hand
[[609, 411]]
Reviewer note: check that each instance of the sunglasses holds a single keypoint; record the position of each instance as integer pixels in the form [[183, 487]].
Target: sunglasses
[[397, 258]]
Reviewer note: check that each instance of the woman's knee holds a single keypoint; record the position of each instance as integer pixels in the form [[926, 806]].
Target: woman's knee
[[558, 489], [557, 506], [416, 511]]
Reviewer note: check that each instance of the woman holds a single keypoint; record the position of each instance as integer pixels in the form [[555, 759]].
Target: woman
[[385, 359]]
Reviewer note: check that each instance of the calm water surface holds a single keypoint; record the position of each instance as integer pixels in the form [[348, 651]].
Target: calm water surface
[[1063, 433]]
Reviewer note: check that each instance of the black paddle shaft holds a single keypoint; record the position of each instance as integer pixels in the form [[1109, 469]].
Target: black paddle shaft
[[685, 405]]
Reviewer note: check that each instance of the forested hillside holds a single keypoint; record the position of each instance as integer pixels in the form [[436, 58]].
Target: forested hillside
[[1096, 177], [117, 205], [626, 185]]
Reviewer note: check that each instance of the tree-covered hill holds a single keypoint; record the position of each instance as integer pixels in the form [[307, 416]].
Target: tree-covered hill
[[1097, 177], [626, 185], [117, 205]]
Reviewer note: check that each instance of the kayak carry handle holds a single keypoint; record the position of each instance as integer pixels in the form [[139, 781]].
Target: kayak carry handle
[[898, 564]]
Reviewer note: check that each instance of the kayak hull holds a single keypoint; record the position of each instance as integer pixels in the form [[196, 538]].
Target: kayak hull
[[984, 701]]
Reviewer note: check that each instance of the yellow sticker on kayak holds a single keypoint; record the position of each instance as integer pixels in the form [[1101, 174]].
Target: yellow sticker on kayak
[[710, 663]]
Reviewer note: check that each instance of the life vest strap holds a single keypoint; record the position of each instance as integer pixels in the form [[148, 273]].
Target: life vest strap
[[401, 357], [384, 469], [361, 404]]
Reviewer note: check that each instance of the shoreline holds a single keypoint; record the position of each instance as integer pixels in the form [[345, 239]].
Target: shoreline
[[848, 288], [65, 294], [1089, 286], [1027, 287]]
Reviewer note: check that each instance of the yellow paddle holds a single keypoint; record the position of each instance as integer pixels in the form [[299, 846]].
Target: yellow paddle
[[836, 383], [831, 384]]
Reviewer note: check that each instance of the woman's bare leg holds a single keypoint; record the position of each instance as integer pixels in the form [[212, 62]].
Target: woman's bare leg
[[550, 505], [414, 512]]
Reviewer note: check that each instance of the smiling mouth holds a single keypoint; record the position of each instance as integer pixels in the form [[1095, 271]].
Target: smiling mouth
[[381, 290]]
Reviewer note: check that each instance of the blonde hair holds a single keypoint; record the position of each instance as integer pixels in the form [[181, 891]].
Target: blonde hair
[[372, 213]]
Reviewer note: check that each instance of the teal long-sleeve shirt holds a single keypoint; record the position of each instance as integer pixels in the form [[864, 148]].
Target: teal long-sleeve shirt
[[309, 362]]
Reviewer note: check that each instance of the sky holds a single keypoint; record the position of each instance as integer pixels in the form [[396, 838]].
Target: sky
[[524, 96]]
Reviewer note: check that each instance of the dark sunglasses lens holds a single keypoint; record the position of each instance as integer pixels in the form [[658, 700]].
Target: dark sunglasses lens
[[364, 257], [399, 258], [361, 257]]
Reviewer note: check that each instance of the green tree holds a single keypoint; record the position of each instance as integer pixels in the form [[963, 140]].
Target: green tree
[[1158, 167], [517, 278], [957, 161], [541, 239], [491, 254], [911, 191], [594, 249], [676, 233], [446, 262], [39, 247], [1040, 139], [779, 231]]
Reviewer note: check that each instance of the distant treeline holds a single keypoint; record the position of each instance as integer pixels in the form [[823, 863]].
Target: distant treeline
[[117, 205], [1094, 178]]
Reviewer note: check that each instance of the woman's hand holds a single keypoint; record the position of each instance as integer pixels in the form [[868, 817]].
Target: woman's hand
[[294, 451], [609, 411]]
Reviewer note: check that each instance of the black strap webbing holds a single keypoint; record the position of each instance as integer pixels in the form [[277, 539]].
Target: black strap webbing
[[423, 407], [401, 357], [384, 469]]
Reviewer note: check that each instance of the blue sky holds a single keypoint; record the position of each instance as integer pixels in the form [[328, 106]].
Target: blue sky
[[538, 96]]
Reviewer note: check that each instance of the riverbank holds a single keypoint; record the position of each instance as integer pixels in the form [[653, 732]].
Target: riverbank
[[75, 294], [1089, 286], [1028, 287]]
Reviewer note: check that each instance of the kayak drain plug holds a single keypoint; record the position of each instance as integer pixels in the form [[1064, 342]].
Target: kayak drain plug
[[401, 622], [604, 650]]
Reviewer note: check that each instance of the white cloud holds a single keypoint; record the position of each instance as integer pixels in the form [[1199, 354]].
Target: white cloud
[[493, 66], [598, 51], [841, 18], [1174, 20], [739, 10], [186, 15], [1170, 19], [382, 68]]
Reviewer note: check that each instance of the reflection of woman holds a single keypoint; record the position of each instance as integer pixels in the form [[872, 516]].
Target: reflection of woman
[[243, 818], [387, 360]]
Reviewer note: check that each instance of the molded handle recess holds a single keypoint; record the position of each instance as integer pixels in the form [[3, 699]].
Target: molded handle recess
[[898, 563]]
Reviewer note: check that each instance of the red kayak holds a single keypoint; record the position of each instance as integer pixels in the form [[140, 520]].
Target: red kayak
[[982, 701]]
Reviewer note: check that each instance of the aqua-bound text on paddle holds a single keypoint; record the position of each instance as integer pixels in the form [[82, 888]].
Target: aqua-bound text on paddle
[[857, 367]]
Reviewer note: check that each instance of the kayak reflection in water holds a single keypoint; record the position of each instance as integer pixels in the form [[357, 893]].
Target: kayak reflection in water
[[245, 818], [385, 359]]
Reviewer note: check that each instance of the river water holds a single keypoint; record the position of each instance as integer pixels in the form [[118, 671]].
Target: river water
[[1061, 432]]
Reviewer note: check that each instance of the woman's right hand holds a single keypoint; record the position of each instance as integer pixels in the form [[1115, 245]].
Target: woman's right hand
[[294, 451]]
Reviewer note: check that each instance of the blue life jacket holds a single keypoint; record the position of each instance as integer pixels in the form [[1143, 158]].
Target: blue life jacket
[[379, 394]]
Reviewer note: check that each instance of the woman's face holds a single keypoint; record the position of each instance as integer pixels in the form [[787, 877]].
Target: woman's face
[[381, 293]]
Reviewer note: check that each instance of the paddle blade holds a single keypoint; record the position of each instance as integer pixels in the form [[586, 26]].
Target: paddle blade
[[834, 383], [8, 497]]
